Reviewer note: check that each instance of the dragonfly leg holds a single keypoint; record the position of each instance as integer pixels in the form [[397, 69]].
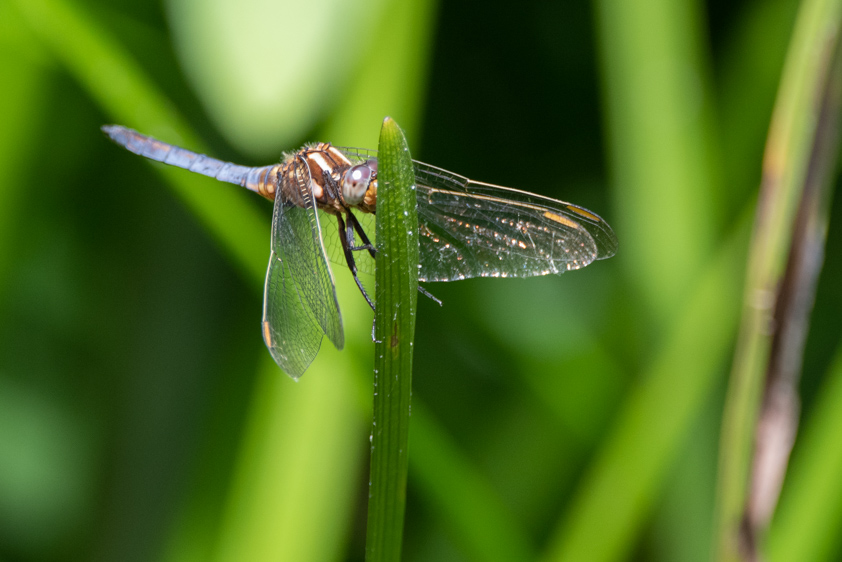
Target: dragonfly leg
[[373, 337], [353, 224], [349, 235], [366, 245], [429, 295], [349, 256], [352, 220]]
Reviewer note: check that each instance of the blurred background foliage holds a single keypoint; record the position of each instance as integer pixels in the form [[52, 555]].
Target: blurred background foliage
[[571, 417]]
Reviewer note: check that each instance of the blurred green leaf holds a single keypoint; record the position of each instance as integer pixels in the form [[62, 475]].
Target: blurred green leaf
[[22, 102], [44, 469], [789, 150], [657, 101], [520, 404], [479, 521], [288, 500], [45, 446], [660, 129], [624, 481], [264, 77], [390, 78], [118, 84], [810, 512], [752, 59]]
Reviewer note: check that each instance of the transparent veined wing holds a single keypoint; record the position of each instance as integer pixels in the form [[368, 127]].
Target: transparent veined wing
[[299, 304], [473, 229]]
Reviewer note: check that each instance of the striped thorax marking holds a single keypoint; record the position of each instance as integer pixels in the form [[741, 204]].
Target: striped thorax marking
[[324, 160]]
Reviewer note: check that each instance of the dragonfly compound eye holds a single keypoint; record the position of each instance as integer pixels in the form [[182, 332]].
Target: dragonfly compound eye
[[355, 183]]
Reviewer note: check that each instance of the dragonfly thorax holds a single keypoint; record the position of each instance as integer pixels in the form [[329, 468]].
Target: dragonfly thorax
[[322, 172]]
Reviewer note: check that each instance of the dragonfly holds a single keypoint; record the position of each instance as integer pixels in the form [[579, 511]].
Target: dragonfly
[[466, 229]]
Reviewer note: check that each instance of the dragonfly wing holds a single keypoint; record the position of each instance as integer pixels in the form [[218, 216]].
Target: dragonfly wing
[[357, 155], [289, 330], [472, 229], [300, 298]]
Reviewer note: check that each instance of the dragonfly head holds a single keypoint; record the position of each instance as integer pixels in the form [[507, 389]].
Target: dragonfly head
[[357, 181]]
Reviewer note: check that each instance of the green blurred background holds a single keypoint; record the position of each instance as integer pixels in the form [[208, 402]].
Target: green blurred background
[[570, 417]]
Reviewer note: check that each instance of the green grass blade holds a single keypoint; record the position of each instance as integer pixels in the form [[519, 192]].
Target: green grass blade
[[397, 290], [789, 147]]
